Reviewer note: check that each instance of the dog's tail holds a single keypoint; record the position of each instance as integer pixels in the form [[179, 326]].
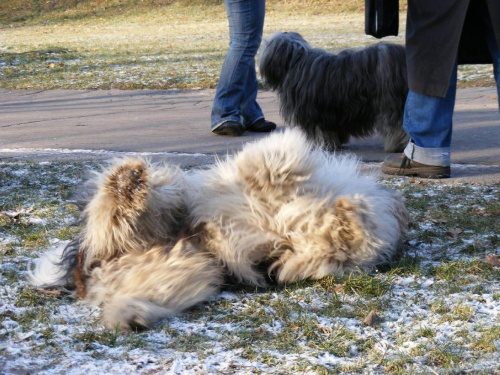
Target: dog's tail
[[55, 267]]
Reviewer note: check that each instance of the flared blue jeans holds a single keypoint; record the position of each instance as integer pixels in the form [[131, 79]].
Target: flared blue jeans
[[236, 95]]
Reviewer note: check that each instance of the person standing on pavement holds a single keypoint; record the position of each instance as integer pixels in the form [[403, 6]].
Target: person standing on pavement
[[235, 108], [440, 35]]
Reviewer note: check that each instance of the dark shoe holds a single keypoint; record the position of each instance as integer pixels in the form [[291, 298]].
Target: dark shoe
[[232, 128], [262, 126], [400, 165]]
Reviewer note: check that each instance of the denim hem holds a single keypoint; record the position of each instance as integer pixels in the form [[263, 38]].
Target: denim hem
[[439, 157]]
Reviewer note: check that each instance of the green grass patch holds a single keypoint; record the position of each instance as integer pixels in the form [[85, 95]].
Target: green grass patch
[[488, 340], [443, 357], [90, 337], [460, 270]]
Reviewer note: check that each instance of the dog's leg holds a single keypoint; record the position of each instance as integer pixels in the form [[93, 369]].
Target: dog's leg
[[126, 313], [274, 167], [135, 206], [137, 290], [395, 140], [325, 240], [332, 140]]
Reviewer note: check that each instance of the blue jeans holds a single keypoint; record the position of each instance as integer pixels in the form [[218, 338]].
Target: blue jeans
[[428, 119], [236, 95]]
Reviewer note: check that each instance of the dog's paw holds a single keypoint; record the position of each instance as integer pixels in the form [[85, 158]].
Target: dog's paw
[[349, 233], [126, 315], [127, 184], [124, 323]]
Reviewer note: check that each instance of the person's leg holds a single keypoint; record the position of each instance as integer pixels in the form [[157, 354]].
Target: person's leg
[[245, 30], [495, 53], [251, 111], [428, 122]]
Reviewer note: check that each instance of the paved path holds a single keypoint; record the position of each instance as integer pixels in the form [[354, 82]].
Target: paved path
[[65, 124]]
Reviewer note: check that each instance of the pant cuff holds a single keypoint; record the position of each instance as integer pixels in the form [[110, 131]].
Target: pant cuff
[[439, 157]]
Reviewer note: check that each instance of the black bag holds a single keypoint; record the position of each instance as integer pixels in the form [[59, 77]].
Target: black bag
[[381, 18]]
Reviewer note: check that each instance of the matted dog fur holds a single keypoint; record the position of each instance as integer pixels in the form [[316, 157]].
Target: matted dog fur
[[333, 97], [156, 240]]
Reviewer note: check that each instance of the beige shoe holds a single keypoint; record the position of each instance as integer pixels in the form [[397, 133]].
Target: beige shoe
[[401, 165]]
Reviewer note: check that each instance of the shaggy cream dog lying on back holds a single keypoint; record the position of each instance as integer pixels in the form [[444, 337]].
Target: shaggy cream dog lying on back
[[156, 240]]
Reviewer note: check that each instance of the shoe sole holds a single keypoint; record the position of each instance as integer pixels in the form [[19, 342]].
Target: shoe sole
[[428, 172]]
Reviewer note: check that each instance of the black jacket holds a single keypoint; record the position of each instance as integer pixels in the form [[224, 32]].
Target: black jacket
[[440, 31]]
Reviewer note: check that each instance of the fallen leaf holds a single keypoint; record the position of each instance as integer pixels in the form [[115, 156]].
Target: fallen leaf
[[49, 292], [440, 221], [493, 260], [260, 332], [454, 232], [52, 66], [417, 182], [339, 288], [371, 319]]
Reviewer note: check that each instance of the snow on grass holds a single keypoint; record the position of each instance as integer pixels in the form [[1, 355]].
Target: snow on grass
[[437, 304]]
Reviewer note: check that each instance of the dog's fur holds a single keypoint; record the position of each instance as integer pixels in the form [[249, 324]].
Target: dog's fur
[[156, 240], [333, 97]]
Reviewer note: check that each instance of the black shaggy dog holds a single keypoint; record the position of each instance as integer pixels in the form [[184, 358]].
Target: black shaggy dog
[[333, 97]]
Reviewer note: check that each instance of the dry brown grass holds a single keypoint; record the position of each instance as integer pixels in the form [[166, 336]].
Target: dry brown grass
[[158, 44], [15, 11], [174, 46]]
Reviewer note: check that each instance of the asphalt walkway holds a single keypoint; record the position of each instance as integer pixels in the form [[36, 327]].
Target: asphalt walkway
[[97, 125]]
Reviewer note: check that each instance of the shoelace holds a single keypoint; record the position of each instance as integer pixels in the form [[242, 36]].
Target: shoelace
[[405, 164]]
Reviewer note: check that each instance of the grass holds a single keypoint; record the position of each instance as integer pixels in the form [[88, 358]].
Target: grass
[[310, 326], [160, 44], [32, 11], [488, 340]]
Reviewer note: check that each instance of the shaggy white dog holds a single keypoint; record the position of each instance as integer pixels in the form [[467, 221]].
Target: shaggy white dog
[[156, 240]]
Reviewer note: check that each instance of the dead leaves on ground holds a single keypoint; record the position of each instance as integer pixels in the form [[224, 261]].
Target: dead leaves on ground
[[454, 232], [372, 319], [494, 260]]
